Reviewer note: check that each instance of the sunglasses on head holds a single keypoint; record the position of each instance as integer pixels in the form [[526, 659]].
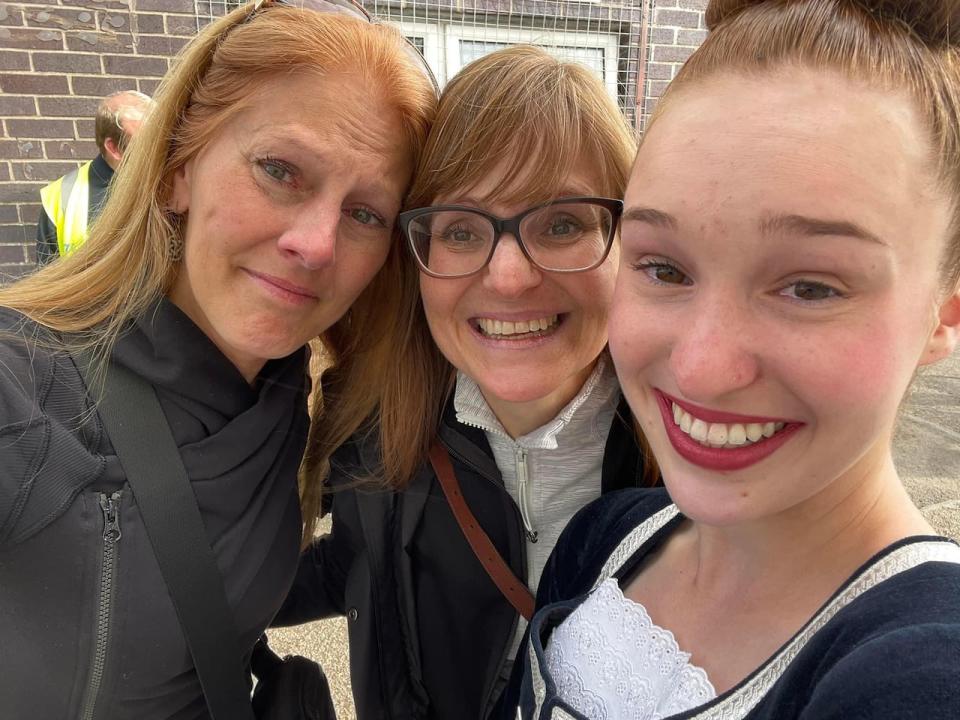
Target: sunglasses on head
[[347, 7]]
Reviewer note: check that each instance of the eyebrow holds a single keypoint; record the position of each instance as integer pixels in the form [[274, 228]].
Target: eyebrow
[[650, 217], [817, 227]]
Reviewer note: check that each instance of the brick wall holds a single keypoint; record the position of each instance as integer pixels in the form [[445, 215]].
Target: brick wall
[[676, 31], [57, 60]]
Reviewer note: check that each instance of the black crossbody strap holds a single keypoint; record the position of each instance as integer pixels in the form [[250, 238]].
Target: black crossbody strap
[[142, 439]]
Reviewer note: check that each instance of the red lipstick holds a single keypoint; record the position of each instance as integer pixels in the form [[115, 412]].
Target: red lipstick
[[726, 458]]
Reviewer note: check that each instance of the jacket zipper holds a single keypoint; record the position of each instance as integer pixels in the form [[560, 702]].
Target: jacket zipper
[[108, 568], [523, 478]]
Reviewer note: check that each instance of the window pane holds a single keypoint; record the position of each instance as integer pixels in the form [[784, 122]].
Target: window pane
[[592, 57]]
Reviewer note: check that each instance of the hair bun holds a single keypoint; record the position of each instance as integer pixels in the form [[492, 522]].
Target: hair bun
[[935, 22]]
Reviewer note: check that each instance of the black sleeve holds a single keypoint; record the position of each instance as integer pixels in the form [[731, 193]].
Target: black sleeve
[[47, 248], [909, 674], [319, 588]]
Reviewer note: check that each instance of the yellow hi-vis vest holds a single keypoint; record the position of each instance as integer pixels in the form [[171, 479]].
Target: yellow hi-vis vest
[[66, 202]]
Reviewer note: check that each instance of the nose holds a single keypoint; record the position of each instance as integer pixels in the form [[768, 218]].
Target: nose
[[510, 273], [310, 237], [715, 354]]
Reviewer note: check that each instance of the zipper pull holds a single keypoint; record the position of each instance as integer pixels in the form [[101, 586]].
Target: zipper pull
[[111, 516], [522, 482]]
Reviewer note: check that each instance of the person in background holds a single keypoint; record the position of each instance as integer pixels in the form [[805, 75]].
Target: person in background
[[71, 203], [502, 358], [790, 259], [255, 213]]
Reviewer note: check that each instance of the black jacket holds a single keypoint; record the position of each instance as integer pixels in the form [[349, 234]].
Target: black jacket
[[429, 631], [87, 629]]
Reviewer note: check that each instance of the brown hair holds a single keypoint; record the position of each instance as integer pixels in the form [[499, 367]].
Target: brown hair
[[126, 264], [903, 45], [496, 114]]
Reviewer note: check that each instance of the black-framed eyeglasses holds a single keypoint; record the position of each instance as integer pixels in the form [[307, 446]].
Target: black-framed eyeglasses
[[566, 235], [348, 7]]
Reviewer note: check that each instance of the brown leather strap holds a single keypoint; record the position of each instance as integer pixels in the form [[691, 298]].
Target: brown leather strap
[[503, 577]]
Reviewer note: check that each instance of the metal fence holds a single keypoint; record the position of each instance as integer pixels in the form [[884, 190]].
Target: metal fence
[[610, 38]]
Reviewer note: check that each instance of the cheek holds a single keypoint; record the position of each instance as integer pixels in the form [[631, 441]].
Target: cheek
[[440, 298]]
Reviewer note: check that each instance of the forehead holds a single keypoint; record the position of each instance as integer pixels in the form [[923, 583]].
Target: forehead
[[805, 134]]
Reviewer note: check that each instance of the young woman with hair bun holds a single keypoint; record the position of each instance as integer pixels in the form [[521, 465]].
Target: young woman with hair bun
[[790, 259]]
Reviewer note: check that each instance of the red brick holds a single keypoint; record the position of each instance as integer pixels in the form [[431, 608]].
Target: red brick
[[13, 60], [70, 149], [149, 23], [68, 106], [100, 86], [66, 62], [26, 149], [662, 36], [4, 172], [12, 106], [130, 65], [30, 39], [99, 41], [115, 22], [85, 129], [700, 5], [42, 128], [660, 71], [181, 6], [60, 18], [691, 37], [159, 45], [38, 170]]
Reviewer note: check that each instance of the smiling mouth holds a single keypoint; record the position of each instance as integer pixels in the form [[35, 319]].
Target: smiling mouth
[[516, 330], [723, 435]]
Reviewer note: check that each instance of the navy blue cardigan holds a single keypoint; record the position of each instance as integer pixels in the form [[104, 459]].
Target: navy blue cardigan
[[892, 652]]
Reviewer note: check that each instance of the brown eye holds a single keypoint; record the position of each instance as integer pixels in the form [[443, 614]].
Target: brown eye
[[663, 273], [808, 291]]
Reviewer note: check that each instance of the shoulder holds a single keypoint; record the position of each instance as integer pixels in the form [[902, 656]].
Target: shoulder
[[46, 428], [895, 651], [593, 535]]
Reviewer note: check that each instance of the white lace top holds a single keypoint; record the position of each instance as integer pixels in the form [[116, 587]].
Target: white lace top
[[611, 662]]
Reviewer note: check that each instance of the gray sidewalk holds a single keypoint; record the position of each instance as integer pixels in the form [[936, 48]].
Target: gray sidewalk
[[927, 452]]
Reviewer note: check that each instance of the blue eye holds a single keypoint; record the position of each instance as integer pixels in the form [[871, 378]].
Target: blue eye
[[276, 170], [366, 216]]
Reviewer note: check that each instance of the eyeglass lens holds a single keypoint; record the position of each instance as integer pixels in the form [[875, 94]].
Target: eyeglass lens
[[561, 236]]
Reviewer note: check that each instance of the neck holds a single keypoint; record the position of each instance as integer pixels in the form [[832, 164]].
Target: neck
[[824, 539], [520, 418]]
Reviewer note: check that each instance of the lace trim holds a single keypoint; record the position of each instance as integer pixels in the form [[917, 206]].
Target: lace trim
[[745, 697], [610, 661]]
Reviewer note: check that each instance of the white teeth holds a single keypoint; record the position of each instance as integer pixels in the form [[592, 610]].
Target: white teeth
[[488, 326], [723, 434]]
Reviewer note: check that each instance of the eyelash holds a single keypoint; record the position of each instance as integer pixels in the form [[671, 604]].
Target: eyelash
[[270, 161], [645, 266]]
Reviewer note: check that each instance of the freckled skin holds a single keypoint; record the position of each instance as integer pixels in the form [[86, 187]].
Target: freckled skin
[[281, 192], [724, 156]]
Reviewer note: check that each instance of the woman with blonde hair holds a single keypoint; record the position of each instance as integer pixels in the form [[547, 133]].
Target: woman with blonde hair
[[253, 213], [500, 370], [790, 259]]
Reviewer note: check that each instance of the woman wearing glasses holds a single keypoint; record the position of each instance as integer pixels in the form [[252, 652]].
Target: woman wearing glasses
[[252, 211], [502, 358]]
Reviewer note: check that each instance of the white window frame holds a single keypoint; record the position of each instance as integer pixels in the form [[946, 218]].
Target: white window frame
[[441, 43]]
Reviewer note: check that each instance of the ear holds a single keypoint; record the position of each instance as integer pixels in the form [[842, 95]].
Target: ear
[[947, 333], [179, 200], [114, 153]]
